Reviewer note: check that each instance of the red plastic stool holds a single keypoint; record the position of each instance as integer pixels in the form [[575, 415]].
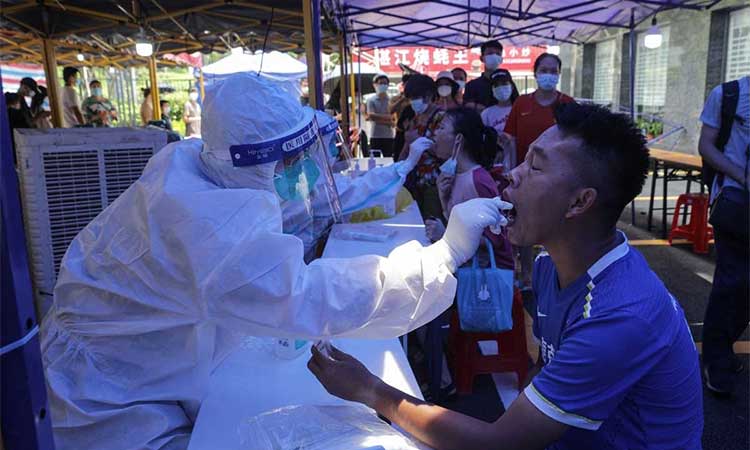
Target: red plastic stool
[[468, 361], [697, 230]]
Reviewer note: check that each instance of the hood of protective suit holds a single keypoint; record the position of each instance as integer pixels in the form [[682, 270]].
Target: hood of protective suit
[[246, 109]]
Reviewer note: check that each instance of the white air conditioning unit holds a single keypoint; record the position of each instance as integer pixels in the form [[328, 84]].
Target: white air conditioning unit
[[67, 177]]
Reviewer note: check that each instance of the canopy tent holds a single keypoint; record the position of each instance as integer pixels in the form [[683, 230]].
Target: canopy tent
[[107, 30], [461, 23], [275, 65]]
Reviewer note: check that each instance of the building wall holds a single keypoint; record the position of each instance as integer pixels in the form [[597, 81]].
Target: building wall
[[692, 72]]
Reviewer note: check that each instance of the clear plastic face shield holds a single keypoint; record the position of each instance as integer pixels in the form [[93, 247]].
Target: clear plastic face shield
[[302, 179], [339, 155]]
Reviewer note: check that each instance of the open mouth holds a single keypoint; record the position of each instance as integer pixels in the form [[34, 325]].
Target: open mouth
[[511, 216]]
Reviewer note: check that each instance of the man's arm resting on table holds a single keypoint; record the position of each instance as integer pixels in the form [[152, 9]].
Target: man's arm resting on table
[[716, 158], [523, 426]]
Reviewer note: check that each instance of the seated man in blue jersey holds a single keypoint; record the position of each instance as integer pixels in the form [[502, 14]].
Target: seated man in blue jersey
[[617, 368]]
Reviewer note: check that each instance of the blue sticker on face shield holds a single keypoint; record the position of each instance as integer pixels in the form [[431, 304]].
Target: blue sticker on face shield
[[298, 180], [333, 149], [274, 150]]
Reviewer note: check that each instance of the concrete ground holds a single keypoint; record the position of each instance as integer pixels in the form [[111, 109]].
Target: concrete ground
[[689, 277]]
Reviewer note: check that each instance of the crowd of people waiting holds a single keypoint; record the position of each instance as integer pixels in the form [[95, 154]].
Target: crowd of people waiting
[[30, 107], [490, 105]]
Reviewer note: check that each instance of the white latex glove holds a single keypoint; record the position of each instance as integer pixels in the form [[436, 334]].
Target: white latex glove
[[466, 224], [416, 149]]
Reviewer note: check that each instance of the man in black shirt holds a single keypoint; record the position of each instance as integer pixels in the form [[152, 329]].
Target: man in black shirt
[[478, 93], [28, 88]]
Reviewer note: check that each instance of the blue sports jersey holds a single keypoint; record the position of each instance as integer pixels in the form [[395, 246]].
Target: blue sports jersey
[[620, 367]]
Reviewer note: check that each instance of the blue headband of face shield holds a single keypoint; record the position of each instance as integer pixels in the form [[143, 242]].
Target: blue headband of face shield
[[275, 149], [300, 172]]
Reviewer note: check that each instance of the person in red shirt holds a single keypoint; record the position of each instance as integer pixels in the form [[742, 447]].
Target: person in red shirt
[[530, 116]]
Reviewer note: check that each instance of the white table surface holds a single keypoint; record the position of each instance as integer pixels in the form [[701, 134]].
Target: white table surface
[[252, 380]]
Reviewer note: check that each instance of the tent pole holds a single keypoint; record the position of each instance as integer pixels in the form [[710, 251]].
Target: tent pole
[[359, 94], [344, 86], [352, 86], [201, 84], [311, 13], [631, 93], [50, 73], [631, 60], [154, 87]]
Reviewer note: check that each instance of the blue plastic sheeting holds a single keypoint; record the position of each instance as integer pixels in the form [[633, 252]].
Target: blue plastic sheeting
[[455, 23]]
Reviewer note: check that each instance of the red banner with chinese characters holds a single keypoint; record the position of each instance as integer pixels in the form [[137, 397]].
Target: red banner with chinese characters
[[431, 60]]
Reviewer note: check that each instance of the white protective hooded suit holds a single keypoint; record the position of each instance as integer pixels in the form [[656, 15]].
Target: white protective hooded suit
[[168, 280]]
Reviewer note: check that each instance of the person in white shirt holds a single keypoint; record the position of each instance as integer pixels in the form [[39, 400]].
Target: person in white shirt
[[192, 115], [505, 92], [728, 310], [72, 115]]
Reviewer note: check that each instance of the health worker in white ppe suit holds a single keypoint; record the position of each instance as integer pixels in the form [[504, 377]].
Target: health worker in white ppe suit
[[170, 278]]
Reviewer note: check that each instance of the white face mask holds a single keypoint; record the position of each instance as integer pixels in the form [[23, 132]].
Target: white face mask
[[449, 167], [381, 88], [502, 93], [444, 91], [547, 81], [419, 105], [166, 111], [193, 96], [461, 84], [492, 62]]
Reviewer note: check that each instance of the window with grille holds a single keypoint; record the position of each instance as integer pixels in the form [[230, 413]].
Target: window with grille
[[604, 72], [738, 45], [651, 74]]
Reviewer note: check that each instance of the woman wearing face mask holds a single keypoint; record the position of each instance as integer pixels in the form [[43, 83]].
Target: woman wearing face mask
[[97, 110], [530, 116], [447, 89], [422, 182], [460, 76], [192, 115], [505, 92], [467, 146]]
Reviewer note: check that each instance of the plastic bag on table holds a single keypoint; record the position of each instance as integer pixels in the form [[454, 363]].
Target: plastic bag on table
[[310, 427]]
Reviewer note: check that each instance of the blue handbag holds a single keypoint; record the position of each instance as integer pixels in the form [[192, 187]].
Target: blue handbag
[[485, 296]]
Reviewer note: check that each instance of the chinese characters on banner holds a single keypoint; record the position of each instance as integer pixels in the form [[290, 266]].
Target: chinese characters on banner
[[431, 60]]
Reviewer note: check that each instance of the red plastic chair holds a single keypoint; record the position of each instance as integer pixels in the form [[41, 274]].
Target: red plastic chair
[[468, 361], [697, 230]]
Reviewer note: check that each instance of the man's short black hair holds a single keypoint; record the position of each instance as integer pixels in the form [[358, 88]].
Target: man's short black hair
[[420, 86], [491, 44], [547, 55], [69, 72], [163, 102], [613, 158], [93, 82]]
